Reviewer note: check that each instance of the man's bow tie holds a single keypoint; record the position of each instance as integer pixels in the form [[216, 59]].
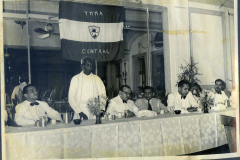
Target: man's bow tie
[[35, 103], [183, 97], [124, 101], [219, 92]]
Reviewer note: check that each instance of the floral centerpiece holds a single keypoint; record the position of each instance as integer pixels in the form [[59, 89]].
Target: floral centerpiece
[[96, 105], [206, 100]]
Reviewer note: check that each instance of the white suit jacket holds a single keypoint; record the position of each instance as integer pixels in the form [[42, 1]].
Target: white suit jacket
[[82, 88]]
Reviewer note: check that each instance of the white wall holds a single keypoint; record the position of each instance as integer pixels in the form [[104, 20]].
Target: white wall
[[14, 35]]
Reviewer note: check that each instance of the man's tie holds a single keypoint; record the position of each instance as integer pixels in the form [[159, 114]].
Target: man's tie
[[35, 103], [183, 97], [149, 106]]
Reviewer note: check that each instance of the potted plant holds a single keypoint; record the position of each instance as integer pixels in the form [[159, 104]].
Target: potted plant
[[189, 72]]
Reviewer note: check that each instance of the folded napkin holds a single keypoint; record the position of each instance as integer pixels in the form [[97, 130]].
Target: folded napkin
[[146, 113], [219, 107]]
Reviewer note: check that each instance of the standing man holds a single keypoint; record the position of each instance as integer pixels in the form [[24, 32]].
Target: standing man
[[182, 99], [83, 87], [150, 103], [122, 102]]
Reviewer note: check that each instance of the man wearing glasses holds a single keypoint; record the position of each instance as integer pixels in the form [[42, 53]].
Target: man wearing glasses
[[84, 87], [150, 103], [118, 105]]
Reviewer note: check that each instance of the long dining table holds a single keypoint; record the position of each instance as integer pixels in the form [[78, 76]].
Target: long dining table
[[163, 135]]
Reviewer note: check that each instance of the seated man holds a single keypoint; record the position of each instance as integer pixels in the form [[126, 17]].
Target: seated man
[[182, 99], [196, 90], [221, 97], [122, 102], [31, 110], [150, 103]]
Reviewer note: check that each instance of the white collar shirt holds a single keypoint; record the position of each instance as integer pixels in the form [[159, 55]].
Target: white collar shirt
[[27, 114], [176, 102], [116, 106]]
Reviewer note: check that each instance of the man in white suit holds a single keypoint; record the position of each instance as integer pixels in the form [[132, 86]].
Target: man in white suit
[[83, 87]]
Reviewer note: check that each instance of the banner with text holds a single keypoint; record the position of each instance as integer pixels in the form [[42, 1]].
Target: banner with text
[[91, 30]]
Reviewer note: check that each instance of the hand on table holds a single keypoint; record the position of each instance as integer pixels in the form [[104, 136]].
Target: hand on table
[[130, 113], [84, 116]]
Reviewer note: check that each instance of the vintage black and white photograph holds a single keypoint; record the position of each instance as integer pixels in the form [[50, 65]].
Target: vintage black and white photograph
[[118, 78]]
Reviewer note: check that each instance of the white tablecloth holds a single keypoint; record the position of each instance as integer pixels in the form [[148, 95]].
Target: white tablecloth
[[164, 135]]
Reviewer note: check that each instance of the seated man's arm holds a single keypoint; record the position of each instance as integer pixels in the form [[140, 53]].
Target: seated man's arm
[[51, 112], [138, 104], [135, 109], [228, 93], [22, 117], [162, 107], [71, 95], [192, 100], [111, 108], [171, 103]]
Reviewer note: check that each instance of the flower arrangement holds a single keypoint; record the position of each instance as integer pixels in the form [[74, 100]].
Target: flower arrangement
[[206, 98], [96, 104]]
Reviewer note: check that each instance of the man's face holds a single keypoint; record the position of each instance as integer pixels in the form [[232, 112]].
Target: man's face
[[87, 67], [32, 93], [195, 90], [183, 90], [126, 94], [148, 94], [219, 86]]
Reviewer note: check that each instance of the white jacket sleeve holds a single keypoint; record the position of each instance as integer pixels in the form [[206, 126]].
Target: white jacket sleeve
[[111, 108], [171, 103], [192, 100], [71, 95], [51, 112], [135, 109], [5, 115], [15, 91], [22, 117], [101, 92]]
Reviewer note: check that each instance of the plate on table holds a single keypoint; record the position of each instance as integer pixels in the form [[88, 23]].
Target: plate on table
[[192, 109]]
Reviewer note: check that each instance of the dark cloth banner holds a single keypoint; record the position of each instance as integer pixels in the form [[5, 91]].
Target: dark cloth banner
[[91, 30]]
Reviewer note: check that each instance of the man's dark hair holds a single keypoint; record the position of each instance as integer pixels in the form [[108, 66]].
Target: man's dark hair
[[182, 82], [85, 59], [23, 79], [223, 83], [26, 87], [197, 85], [121, 87], [148, 87]]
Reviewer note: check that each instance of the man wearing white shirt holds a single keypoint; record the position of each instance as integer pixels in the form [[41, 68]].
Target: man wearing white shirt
[[221, 97], [122, 102], [31, 109], [83, 87], [182, 99], [150, 103]]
